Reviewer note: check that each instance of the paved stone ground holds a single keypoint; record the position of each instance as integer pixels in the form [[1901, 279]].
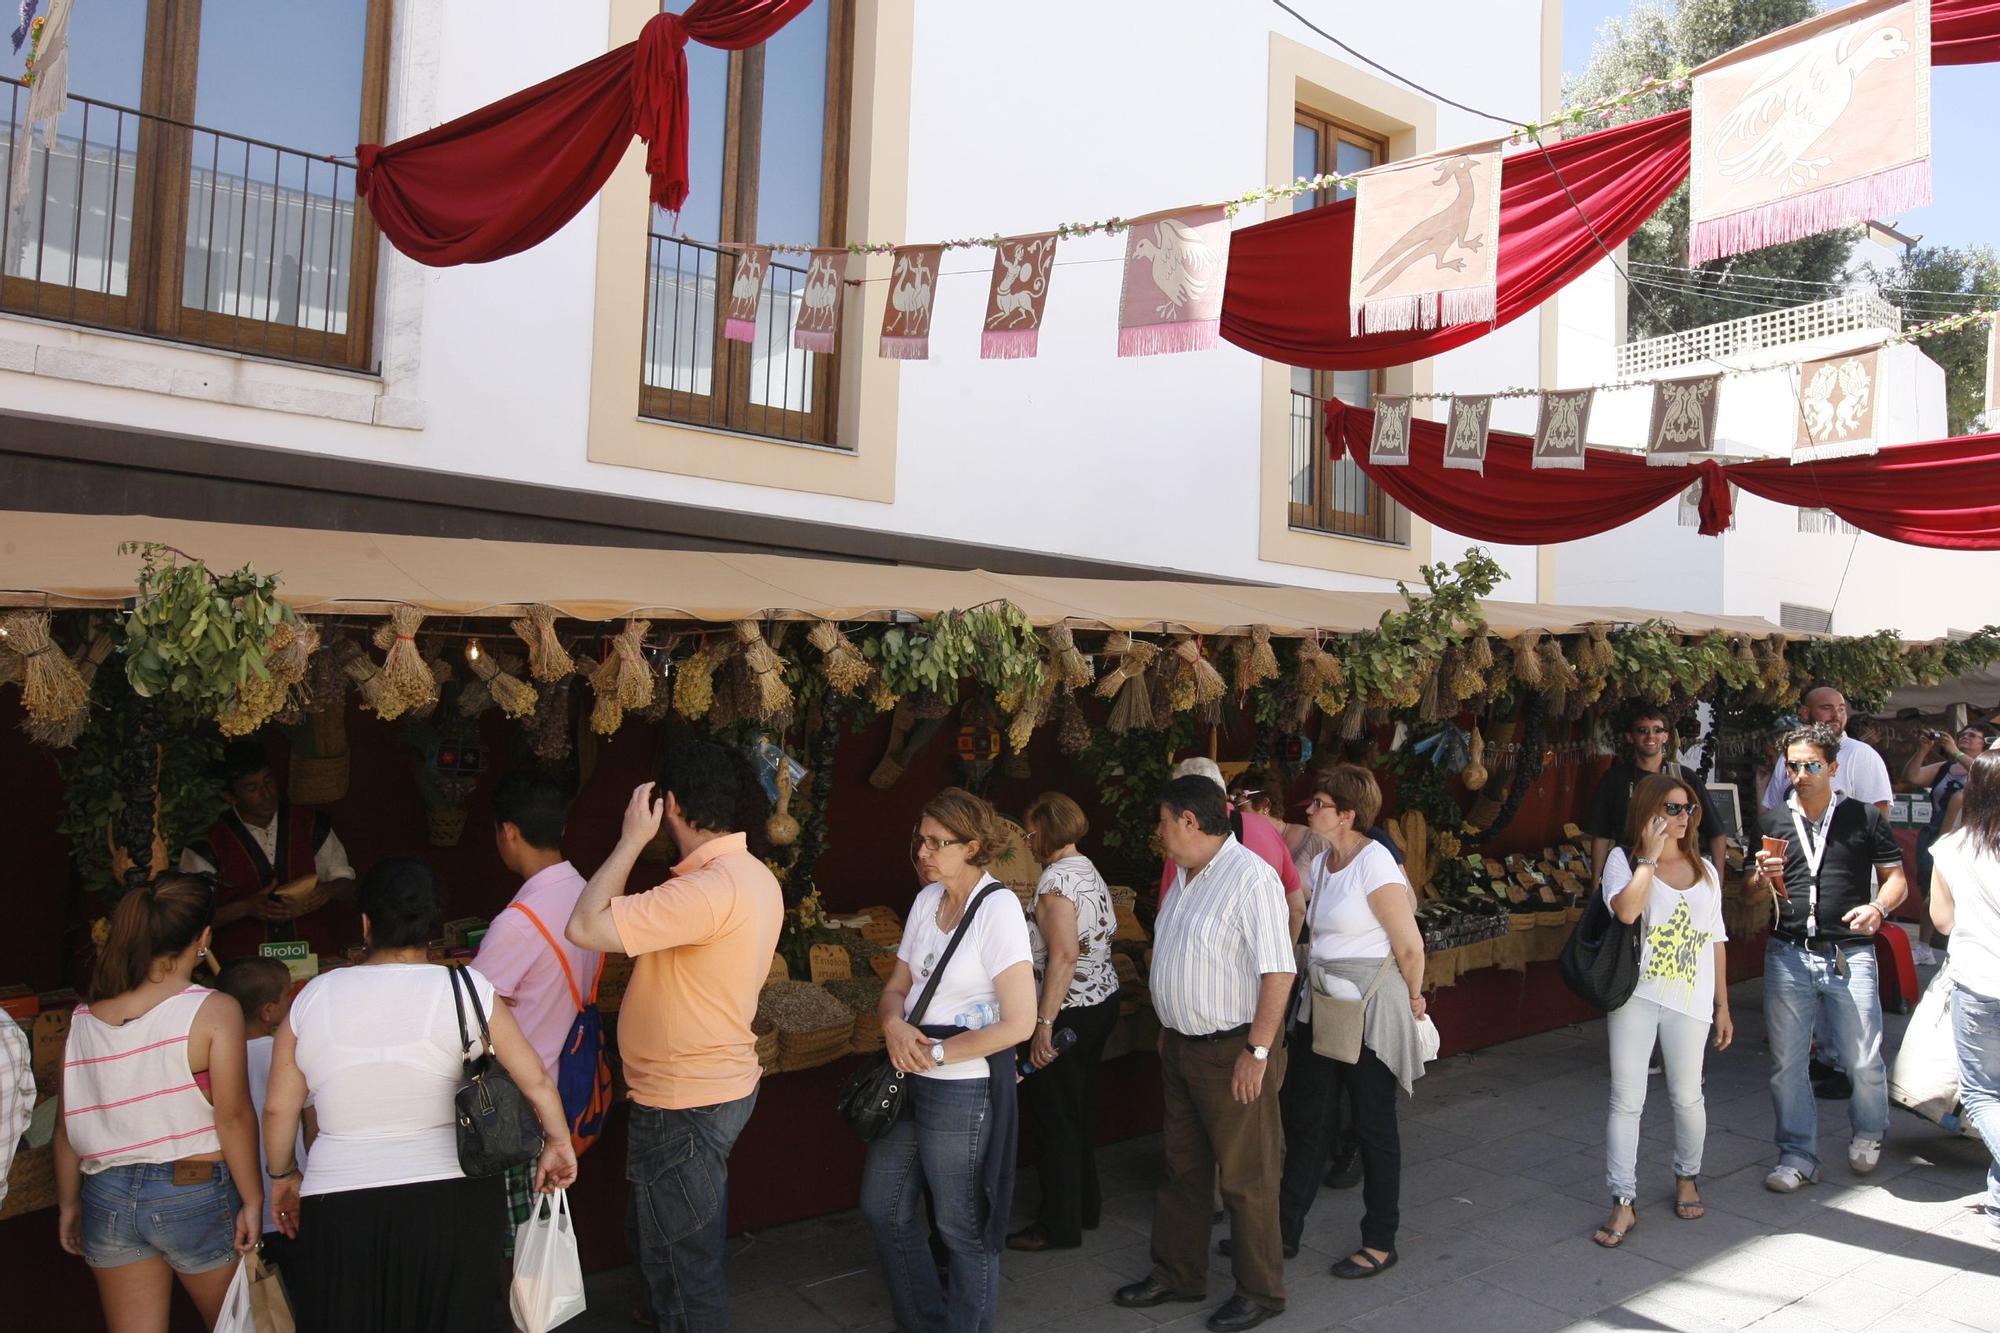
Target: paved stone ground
[[1503, 1181]]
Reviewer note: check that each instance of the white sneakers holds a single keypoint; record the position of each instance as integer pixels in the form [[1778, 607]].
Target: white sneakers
[[1785, 1179], [1864, 1155]]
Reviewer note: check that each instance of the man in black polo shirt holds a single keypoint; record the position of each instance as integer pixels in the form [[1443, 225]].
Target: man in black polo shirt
[[1648, 734], [1840, 876]]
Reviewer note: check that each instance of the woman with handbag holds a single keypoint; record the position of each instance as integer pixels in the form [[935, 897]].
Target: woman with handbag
[[391, 1232], [1362, 1001], [1659, 881], [961, 997], [1965, 904]]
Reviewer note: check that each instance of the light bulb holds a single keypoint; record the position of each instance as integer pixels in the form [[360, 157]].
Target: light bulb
[[472, 650]]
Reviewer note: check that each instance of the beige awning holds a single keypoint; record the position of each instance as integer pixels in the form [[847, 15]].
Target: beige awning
[[72, 561]]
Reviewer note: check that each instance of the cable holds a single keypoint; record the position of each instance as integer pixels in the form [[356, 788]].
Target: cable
[[1378, 67]]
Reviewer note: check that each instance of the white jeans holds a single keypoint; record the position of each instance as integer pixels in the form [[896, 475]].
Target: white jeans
[[1633, 1026]]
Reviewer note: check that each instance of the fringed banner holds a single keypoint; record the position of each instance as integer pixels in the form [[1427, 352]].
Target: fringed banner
[[1465, 432], [746, 293], [819, 308], [1171, 298], [1562, 428], [1389, 444], [1021, 267], [1819, 125], [1426, 243], [1683, 423], [46, 98], [906, 315], [1840, 400]]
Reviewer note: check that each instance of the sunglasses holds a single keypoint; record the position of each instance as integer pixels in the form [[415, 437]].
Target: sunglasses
[[1812, 766], [1651, 731], [1675, 809]]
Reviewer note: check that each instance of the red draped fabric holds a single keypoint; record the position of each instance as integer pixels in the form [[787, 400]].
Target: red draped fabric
[[496, 181], [1944, 493], [1965, 32]]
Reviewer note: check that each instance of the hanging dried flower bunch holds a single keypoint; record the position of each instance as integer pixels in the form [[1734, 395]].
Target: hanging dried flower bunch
[[1528, 659], [1556, 668], [1354, 719], [1031, 714], [1070, 662], [406, 682], [1072, 729], [1595, 655], [768, 669], [325, 688], [1256, 661], [514, 695], [547, 728], [606, 714], [624, 674], [880, 697], [365, 675], [1203, 679], [441, 672], [62, 735], [52, 691], [1431, 701], [547, 658], [1126, 685], [694, 683], [1468, 681], [1322, 679], [845, 669], [260, 698]]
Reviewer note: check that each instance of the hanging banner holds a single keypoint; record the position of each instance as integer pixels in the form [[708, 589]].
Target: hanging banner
[[1683, 423], [1562, 428], [819, 307], [1426, 242], [1389, 445], [1171, 299], [47, 97], [1840, 400], [746, 293], [1819, 125], [1021, 268], [1465, 432], [906, 315]]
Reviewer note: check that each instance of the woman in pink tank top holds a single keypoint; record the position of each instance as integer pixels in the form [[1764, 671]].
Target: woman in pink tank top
[[156, 1146]]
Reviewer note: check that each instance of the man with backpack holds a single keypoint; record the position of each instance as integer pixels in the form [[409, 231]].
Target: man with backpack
[[549, 983]]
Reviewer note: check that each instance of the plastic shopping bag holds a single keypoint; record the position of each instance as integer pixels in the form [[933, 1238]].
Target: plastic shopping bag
[[548, 1277], [255, 1301], [236, 1316]]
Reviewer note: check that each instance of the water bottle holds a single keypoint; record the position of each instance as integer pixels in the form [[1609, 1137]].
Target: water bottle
[[978, 1016], [1062, 1041]]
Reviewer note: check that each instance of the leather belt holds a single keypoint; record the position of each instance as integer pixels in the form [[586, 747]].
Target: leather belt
[[1226, 1034]]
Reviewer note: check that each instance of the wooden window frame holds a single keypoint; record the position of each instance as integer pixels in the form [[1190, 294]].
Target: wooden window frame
[[156, 260], [1380, 520], [732, 409]]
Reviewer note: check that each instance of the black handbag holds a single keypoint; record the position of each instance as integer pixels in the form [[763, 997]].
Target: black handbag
[[1600, 959], [497, 1128], [872, 1100]]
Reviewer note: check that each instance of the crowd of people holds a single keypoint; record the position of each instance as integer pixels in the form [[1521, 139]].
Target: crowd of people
[[1287, 974]]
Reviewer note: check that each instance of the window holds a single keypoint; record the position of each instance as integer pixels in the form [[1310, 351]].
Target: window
[[1805, 619], [1328, 496], [189, 193], [766, 163]]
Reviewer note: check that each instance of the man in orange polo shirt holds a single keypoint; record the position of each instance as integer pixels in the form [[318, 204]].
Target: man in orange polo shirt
[[703, 942]]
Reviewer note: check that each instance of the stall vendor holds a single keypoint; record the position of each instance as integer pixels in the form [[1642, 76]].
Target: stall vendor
[[276, 865]]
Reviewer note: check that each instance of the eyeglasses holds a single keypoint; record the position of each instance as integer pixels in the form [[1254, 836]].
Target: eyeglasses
[[1675, 809], [1651, 731], [1319, 803], [935, 844], [1812, 766]]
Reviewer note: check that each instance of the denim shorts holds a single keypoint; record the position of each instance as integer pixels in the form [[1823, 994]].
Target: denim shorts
[[136, 1212]]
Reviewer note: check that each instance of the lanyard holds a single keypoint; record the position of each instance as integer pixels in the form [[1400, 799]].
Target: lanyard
[[1814, 852]]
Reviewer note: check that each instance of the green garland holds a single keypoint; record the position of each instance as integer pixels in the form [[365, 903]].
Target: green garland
[[995, 645], [1130, 770], [1387, 666]]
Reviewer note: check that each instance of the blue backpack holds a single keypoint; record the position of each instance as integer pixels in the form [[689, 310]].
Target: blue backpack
[[583, 1070]]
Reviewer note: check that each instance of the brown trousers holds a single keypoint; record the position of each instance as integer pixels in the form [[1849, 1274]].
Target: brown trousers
[[1207, 1134]]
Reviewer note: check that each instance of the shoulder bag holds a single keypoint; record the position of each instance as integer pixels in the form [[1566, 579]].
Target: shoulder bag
[[1338, 1022], [1600, 959], [497, 1128], [872, 1100]]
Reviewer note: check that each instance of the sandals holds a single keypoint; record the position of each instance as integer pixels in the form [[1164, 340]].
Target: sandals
[[1687, 1210], [1611, 1237], [1034, 1240], [1362, 1264]]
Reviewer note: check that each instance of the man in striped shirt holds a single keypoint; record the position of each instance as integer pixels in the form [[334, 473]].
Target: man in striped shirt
[[1222, 971]]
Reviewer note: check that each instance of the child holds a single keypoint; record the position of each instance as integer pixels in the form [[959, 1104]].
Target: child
[[263, 988]]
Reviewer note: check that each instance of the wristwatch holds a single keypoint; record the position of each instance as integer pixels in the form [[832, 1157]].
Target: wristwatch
[[1045, 1022], [1256, 1051], [1645, 861], [937, 1052]]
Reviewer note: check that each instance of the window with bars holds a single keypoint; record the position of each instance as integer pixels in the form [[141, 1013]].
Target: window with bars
[[191, 190], [1327, 496], [1805, 619], [766, 163]]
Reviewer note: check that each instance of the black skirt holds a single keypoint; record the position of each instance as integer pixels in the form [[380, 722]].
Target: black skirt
[[421, 1258]]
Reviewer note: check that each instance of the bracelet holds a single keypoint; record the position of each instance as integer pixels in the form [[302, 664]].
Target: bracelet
[[292, 1170], [1044, 1022]]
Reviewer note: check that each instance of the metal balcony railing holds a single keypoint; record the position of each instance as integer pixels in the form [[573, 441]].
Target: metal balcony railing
[[1336, 497], [1852, 312], [133, 221]]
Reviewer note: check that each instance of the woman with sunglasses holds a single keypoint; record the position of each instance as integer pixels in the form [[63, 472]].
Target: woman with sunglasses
[[957, 1141], [1965, 904], [1945, 777], [1658, 879]]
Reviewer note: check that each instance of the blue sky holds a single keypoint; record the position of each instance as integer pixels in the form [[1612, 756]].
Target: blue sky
[[1962, 185]]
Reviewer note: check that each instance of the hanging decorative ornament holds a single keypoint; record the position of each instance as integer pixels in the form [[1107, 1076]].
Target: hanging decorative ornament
[[1256, 662], [52, 692], [845, 669], [819, 306], [1126, 684], [1466, 432], [906, 315], [1683, 422], [547, 659], [1389, 441], [781, 828], [1069, 661], [406, 681], [768, 669], [1426, 242], [1562, 428], [746, 292], [1840, 400], [515, 696], [1022, 266], [1171, 297]]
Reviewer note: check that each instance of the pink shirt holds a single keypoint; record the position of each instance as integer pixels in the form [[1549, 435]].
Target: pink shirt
[[522, 967], [1261, 836]]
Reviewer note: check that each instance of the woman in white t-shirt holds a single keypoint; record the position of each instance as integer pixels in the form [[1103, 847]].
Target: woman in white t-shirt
[[1965, 904], [956, 1139], [1659, 881], [391, 1234]]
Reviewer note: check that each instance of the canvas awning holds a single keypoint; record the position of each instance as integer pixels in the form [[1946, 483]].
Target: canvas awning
[[72, 561]]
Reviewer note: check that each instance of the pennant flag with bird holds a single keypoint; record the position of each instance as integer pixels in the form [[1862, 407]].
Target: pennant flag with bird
[[1683, 422], [1562, 428], [1465, 432], [1840, 400], [1021, 269], [746, 293], [1171, 300], [1389, 443], [906, 315], [1426, 242], [819, 307]]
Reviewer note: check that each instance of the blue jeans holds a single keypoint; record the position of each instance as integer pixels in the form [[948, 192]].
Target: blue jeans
[[1975, 1020], [136, 1212], [939, 1149], [677, 1163], [1800, 986]]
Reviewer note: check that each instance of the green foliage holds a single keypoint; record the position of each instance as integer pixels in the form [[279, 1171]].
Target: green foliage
[[1662, 41], [1131, 768], [1422, 786], [1652, 664], [1868, 668], [192, 637], [1386, 665], [993, 644], [1962, 352]]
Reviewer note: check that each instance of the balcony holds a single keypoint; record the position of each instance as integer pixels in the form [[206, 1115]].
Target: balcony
[[137, 223], [691, 374], [1852, 312]]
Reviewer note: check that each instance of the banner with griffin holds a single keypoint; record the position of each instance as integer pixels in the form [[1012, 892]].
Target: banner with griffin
[[1021, 269], [1426, 242], [819, 305], [1171, 299], [1683, 422], [746, 292], [1819, 125], [1840, 400], [1465, 432], [1389, 441], [906, 315], [1562, 428]]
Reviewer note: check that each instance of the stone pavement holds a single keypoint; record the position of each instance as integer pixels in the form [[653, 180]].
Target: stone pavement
[[1503, 1181]]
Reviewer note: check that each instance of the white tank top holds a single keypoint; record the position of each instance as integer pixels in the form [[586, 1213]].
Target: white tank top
[[128, 1093]]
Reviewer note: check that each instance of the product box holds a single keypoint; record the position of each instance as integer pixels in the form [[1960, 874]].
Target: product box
[[296, 955]]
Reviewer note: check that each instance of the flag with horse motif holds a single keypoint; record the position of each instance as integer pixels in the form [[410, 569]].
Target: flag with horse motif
[[1021, 269]]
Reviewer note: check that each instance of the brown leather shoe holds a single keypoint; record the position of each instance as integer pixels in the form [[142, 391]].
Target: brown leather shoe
[[1033, 1240]]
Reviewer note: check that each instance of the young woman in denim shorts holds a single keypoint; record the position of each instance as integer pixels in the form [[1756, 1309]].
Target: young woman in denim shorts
[[156, 1147]]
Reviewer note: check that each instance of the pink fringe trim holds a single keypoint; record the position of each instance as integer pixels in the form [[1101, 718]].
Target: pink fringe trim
[[1192, 335], [740, 330], [1879, 195], [1008, 344], [809, 340], [1424, 310], [906, 349]]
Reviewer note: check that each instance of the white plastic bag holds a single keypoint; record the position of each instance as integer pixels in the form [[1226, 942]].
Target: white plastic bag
[[1428, 1040], [1924, 1074], [548, 1277], [236, 1316]]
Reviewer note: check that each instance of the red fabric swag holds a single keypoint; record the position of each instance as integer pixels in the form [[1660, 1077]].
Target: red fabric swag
[[501, 179], [1965, 32], [1945, 493]]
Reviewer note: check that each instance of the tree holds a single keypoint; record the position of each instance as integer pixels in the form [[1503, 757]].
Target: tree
[[1654, 41], [1952, 273]]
